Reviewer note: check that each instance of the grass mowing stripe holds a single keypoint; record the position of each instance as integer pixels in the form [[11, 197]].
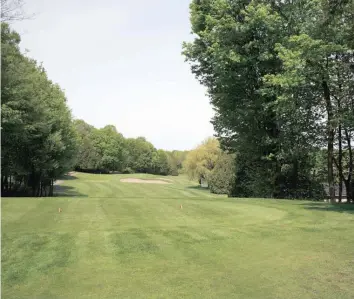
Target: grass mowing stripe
[[121, 240]]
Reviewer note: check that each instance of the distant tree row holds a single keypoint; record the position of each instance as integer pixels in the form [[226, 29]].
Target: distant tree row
[[106, 150], [38, 140], [280, 76]]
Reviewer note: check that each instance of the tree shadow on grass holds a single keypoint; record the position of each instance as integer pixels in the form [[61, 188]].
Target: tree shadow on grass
[[325, 207], [197, 187], [67, 177], [67, 191]]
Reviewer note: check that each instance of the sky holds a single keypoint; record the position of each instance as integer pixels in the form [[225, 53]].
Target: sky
[[119, 62]]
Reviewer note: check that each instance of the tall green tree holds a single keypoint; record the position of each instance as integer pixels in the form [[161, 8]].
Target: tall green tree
[[110, 146], [38, 139], [140, 154], [233, 50], [317, 63], [161, 165], [279, 75], [88, 156]]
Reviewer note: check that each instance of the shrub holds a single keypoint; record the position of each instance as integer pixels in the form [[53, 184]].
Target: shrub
[[222, 176], [128, 170]]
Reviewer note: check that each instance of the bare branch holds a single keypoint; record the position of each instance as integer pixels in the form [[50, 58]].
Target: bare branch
[[12, 10]]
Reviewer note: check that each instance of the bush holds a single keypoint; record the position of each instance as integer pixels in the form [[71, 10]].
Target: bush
[[127, 170], [222, 176], [173, 171]]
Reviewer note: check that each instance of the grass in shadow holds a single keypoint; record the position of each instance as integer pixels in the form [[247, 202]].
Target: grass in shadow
[[67, 191], [339, 207], [197, 187], [67, 177]]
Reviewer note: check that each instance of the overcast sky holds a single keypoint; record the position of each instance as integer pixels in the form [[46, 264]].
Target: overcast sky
[[120, 63]]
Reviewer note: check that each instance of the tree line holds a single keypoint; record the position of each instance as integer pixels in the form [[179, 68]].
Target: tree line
[[40, 141], [106, 150], [280, 76]]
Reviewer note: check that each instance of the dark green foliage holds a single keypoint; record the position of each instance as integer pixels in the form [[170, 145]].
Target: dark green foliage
[[128, 170], [141, 156], [161, 165], [106, 150], [222, 176], [280, 78], [38, 140], [87, 155]]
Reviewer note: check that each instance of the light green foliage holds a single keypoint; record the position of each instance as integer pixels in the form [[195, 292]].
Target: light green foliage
[[201, 161], [175, 160], [121, 240]]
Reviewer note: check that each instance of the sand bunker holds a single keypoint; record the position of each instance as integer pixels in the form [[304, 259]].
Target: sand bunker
[[140, 181]]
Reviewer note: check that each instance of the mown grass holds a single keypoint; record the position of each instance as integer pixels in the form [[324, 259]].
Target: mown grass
[[121, 240]]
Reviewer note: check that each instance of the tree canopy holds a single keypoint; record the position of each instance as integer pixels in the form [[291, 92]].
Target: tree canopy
[[201, 161], [106, 150], [38, 141], [280, 78]]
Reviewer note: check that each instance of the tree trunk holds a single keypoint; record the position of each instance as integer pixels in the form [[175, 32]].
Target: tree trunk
[[6, 185], [33, 182], [340, 149], [295, 183], [349, 187], [277, 191], [10, 183], [330, 140], [51, 187], [2, 183], [340, 162]]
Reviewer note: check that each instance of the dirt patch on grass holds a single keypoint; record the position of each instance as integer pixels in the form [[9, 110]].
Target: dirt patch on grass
[[141, 181]]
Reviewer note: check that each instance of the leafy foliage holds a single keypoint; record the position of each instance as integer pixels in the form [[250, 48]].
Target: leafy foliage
[[106, 150], [221, 177], [175, 160], [280, 78], [201, 161], [38, 139]]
